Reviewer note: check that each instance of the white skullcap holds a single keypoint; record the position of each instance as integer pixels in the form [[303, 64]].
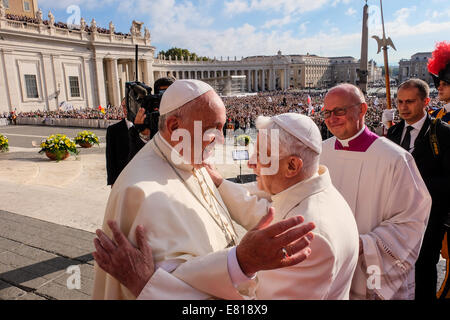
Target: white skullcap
[[301, 127], [181, 92]]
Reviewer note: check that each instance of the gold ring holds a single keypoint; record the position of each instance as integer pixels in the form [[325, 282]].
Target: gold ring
[[285, 253]]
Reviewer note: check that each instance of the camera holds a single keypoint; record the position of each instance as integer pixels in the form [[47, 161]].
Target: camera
[[138, 95]]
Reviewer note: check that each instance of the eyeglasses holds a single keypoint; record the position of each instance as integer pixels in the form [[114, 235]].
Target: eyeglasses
[[337, 111]]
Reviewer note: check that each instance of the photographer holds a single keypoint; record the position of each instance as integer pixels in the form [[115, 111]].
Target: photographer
[[140, 133]]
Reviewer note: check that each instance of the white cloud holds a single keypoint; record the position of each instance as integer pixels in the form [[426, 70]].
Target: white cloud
[[234, 7], [277, 22], [350, 12], [336, 2]]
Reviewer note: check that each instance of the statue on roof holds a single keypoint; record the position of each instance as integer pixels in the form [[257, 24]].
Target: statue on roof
[[51, 19], [39, 16], [147, 34], [2, 10], [112, 28], [93, 25], [83, 24]]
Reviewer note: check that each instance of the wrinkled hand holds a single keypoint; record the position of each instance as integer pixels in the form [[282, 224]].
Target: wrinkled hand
[[133, 267], [214, 174], [261, 247]]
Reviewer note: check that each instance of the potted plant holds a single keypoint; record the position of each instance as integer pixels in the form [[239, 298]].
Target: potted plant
[[3, 143], [57, 147], [243, 140], [86, 139]]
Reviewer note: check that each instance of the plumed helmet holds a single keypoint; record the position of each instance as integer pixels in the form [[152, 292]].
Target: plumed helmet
[[439, 64]]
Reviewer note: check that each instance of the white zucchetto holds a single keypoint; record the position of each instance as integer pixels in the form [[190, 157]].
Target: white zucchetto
[[302, 127], [181, 92]]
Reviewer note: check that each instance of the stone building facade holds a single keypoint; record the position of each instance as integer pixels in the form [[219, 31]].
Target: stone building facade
[[44, 63], [416, 67], [266, 73]]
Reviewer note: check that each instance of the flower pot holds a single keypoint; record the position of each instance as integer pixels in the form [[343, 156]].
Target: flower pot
[[85, 144], [63, 154]]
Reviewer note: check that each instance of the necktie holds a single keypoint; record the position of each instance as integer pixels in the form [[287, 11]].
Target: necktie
[[407, 138]]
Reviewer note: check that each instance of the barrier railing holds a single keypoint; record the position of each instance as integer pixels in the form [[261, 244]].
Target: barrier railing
[[65, 122]]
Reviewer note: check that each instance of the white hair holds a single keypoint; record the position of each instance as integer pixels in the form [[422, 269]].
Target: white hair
[[290, 146], [182, 112]]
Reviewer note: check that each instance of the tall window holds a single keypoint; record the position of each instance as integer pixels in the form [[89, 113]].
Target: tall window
[[74, 87], [6, 4], [31, 85], [26, 5]]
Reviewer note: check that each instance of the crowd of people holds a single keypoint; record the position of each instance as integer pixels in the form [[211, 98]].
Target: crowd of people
[[112, 113], [242, 111]]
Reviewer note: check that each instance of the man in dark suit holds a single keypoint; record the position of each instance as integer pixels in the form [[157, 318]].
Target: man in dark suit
[[117, 147], [428, 140]]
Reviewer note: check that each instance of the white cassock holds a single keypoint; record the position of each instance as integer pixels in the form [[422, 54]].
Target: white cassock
[[189, 232], [328, 271], [391, 205]]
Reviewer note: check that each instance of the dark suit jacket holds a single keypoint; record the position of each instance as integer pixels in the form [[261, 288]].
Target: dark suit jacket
[[135, 142], [117, 150], [435, 171]]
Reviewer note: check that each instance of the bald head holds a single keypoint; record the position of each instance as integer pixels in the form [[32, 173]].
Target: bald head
[[348, 92], [346, 108]]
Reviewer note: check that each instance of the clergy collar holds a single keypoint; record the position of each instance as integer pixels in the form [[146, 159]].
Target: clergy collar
[[172, 155], [287, 199], [419, 124], [346, 141], [358, 143]]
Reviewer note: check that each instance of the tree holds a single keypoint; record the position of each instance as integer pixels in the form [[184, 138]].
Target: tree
[[185, 53]]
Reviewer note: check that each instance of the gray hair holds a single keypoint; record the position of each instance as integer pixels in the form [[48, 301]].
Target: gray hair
[[291, 146]]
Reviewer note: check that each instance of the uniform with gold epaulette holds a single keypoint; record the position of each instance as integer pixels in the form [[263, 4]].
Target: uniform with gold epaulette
[[439, 68], [441, 114]]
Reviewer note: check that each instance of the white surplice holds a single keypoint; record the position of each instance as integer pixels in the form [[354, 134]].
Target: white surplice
[[189, 246], [391, 205], [328, 271]]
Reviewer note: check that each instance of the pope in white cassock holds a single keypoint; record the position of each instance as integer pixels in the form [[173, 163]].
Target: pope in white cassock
[[386, 193], [290, 180], [168, 192], [293, 183]]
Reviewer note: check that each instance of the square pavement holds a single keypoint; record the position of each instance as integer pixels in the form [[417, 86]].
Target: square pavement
[[35, 256]]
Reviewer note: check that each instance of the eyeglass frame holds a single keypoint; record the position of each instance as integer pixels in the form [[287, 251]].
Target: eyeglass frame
[[344, 109]]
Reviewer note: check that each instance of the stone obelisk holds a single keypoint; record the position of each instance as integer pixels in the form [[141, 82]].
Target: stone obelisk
[[362, 72]]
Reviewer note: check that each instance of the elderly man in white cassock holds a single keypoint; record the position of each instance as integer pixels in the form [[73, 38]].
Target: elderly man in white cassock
[[166, 190], [386, 193], [290, 180]]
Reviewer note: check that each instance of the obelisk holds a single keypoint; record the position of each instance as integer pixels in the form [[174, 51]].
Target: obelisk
[[362, 72]]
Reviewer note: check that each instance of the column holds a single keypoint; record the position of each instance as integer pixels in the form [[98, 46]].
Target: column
[[48, 83], [100, 81], [249, 81], [270, 79], [149, 79], [288, 78], [12, 85], [113, 82], [263, 80], [256, 81], [59, 80], [87, 83]]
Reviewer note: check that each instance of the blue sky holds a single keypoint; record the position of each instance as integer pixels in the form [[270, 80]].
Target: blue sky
[[262, 27]]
